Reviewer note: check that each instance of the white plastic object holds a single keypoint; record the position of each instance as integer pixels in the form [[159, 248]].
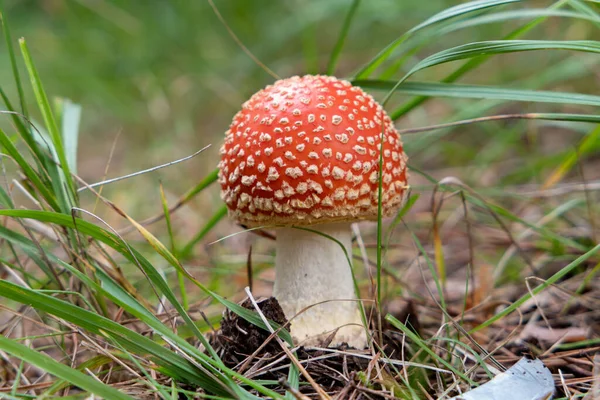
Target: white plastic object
[[526, 380]]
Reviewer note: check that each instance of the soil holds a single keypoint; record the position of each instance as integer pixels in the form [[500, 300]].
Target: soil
[[238, 339], [247, 349]]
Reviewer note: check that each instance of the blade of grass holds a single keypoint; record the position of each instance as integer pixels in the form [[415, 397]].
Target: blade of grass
[[144, 171], [522, 13], [214, 220], [474, 63], [418, 42], [28, 171], [490, 47], [431, 89], [203, 184], [70, 117], [180, 278], [432, 270], [459, 10], [549, 216], [540, 116], [135, 257], [585, 9], [590, 142], [410, 202], [548, 282], [41, 158], [339, 45], [570, 68], [189, 195], [13, 61], [68, 194], [92, 363], [25, 132], [153, 275], [438, 251], [421, 343], [62, 371], [544, 232], [152, 383]]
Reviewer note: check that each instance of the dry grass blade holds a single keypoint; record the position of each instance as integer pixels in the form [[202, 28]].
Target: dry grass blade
[[145, 171]]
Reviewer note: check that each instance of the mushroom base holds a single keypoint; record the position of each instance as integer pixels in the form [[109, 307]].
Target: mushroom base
[[313, 269]]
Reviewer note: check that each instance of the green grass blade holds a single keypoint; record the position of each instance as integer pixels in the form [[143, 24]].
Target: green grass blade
[[504, 16], [33, 254], [152, 383], [421, 343], [155, 277], [16, 116], [569, 69], [68, 192], [92, 363], [459, 11], [452, 12], [441, 32], [410, 202], [160, 282], [293, 380], [203, 184], [418, 42], [589, 144], [475, 62], [548, 282], [431, 89], [69, 122], [490, 47], [339, 45], [585, 9], [180, 277], [26, 133], [217, 216], [62, 371], [432, 269], [567, 117], [487, 48], [5, 200], [13, 61], [28, 171], [544, 232]]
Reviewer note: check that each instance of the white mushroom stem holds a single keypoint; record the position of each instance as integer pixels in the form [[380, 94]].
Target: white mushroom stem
[[310, 269]]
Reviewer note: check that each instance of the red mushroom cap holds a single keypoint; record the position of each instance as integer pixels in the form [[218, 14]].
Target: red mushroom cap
[[306, 150]]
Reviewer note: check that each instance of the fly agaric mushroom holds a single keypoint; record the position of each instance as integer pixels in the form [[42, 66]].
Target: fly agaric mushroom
[[305, 152]]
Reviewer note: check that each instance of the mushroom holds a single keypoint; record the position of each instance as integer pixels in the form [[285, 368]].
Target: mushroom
[[304, 152]]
